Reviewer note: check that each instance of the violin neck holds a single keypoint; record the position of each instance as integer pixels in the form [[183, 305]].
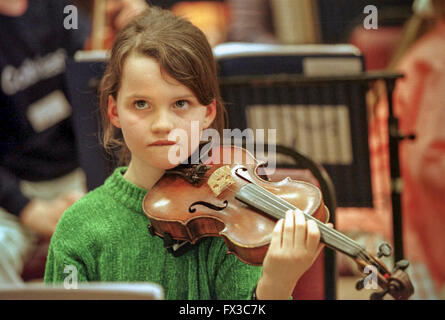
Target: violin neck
[[268, 203]]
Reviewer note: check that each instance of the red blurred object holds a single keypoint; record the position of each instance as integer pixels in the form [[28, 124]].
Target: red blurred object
[[311, 284], [377, 45], [34, 268]]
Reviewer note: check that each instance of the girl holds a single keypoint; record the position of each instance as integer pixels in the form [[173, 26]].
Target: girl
[[161, 76]]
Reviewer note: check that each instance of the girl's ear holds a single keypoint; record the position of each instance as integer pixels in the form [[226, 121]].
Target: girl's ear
[[210, 114], [112, 112]]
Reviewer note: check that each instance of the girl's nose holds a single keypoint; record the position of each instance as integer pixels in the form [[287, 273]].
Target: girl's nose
[[163, 123]]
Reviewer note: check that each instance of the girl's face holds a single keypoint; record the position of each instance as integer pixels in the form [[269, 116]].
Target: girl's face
[[149, 105]]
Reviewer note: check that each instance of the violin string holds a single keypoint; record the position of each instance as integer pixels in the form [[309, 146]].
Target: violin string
[[321, 225], [273, 198], [338, 235], [291, 207], [361, 253]]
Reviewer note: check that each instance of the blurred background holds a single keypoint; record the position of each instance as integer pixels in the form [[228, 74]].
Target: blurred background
[[400, 36]]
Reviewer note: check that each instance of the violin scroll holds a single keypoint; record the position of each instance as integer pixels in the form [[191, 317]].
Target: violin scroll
[[396, 283]]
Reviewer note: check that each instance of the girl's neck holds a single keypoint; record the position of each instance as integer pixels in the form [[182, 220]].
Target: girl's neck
[[142, 175]]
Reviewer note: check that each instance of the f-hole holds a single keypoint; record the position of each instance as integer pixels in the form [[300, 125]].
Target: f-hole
[[208, 205]]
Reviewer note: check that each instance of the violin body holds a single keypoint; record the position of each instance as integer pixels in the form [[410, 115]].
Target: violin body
[[190, 212]]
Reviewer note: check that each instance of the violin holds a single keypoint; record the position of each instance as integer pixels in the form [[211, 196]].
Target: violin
[[224, 196]]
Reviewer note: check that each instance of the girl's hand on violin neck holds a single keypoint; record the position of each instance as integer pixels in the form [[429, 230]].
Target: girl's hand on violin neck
[[294, 247]]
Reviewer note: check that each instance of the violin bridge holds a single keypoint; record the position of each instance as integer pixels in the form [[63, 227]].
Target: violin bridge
[[220, 180]]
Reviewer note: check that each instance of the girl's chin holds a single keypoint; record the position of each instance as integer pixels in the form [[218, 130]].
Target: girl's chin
[[165, 163], [166, 166]]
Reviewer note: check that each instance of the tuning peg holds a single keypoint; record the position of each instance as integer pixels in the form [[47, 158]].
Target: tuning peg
[[379, 294], [360, 284], [384, 250], [401, 265]]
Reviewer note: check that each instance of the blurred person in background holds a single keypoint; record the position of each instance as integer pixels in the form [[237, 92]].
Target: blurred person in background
[[419, 104], [211, 17], [251, 21], [39, 174]]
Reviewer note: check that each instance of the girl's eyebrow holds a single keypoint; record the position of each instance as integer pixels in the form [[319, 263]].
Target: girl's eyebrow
[[148, 98], [185, 96], [137, 96]]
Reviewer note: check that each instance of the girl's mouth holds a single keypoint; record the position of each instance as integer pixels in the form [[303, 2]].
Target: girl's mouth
[[162, 143]]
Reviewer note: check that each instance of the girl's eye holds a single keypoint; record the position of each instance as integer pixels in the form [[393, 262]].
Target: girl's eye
[[181, 104], [141, 104]]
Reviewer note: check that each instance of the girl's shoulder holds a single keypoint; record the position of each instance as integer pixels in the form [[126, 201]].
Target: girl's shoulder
[[80, 225], [86, 211], [93, 200]]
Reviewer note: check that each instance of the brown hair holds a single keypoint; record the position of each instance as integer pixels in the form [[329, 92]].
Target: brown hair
[[180, 48]]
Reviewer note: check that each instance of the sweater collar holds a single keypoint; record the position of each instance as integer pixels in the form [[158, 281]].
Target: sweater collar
[[125, 192]]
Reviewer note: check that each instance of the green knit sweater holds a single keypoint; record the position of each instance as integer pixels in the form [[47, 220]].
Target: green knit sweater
[[104, 235]]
